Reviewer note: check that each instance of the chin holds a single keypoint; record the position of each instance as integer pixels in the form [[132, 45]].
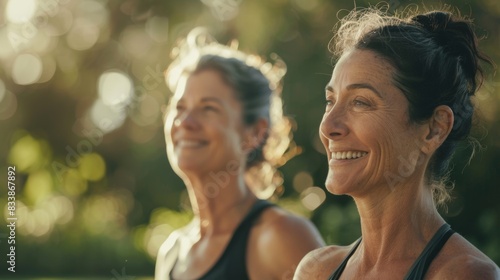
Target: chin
[[337, 186], [189, 167]]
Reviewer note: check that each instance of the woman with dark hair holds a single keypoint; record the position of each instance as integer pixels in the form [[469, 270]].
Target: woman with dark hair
[[399, 101], [225, 135]]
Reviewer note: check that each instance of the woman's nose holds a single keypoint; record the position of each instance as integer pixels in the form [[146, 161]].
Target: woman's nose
[[334, 123], [187, 120]]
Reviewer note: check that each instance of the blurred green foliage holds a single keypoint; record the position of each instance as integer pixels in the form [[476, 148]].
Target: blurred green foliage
[[95, 193]]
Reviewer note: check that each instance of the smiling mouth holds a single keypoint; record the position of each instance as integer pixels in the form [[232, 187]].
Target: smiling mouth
[[190, 144], [348, 155]]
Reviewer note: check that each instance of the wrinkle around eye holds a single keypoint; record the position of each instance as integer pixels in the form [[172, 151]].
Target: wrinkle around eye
[[359, 103], [363, 102]]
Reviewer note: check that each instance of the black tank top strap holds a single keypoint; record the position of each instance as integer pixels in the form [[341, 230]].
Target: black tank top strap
[[421, 265], [336, 274], [232, 263], [236, 257]]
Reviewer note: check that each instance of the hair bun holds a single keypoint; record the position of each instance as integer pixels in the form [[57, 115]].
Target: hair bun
[[433, 21], [456, 33], [457, 37]]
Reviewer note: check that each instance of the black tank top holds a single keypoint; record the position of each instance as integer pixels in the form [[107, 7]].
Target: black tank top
[[232, 263], [421, 265]]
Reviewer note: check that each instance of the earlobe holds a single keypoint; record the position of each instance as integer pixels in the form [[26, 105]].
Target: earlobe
[[439, 127]]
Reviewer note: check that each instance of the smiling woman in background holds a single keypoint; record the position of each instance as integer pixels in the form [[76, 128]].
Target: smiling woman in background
[[398, 103], [224, 132]]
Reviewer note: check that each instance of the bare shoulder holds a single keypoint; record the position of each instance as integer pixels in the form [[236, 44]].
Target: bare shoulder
[[279, 240], [468, 267], [278, 225], [322, 262], [459, 259]]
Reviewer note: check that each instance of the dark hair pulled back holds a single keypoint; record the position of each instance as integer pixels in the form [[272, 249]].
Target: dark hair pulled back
[[437, 62]]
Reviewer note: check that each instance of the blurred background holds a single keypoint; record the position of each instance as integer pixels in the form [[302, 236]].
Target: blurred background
[[81, 91]]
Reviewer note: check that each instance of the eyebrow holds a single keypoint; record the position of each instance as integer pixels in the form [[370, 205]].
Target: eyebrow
[[211, 99], [357, 86], [205, 99]]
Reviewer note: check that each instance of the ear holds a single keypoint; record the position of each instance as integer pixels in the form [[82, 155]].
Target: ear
[[437, 129], [255, 134]]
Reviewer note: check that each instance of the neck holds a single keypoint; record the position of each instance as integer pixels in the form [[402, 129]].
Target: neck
[[219, 202], [398, 224]]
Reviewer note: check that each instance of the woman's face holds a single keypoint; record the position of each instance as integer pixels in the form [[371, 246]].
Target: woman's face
[[365, 129], [204, 130]]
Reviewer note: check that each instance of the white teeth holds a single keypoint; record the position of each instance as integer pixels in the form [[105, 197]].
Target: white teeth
[[189, 144], [348, 155]]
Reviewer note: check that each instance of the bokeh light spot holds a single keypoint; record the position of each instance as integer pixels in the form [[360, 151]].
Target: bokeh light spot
[[59, 208], [26, 69], [106, 118], [38, 186], [115, 88], [43, 222], [19, 11], [312, 197], [49, 69], [92, 167], [25, 153], [83, 35], [104, 214], [22, 212], [73, 183]]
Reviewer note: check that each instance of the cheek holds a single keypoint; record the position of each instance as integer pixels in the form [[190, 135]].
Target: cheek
[[394, 149], [387, 138], [388, 126], [227, 137]]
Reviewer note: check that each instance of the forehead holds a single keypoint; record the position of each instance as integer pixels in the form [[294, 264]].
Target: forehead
[[204, 83], [362, 66]]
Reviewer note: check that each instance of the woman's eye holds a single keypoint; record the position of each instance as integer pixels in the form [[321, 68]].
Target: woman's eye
[[210, 108], [328, 103], [360, 103]]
